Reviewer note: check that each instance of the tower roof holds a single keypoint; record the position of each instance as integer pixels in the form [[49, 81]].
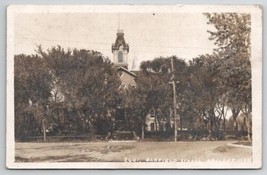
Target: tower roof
[[120, 41]]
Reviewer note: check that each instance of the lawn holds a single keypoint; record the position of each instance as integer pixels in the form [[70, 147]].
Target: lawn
[[128, 151]]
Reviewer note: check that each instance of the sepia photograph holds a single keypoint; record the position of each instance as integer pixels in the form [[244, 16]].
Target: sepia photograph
[[134, 87]]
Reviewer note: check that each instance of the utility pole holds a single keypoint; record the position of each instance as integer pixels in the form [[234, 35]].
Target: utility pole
[[173, 82]]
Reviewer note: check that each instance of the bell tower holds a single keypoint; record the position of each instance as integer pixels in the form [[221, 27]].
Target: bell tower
[[120, 50]]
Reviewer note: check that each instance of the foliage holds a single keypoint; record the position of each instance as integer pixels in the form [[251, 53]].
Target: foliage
[[76, 89], [232, 36], [32, 90]]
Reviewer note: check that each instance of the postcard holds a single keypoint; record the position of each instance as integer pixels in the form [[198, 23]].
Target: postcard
[[134, 87]]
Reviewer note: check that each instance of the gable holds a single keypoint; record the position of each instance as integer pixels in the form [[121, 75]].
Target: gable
[[127, 79]]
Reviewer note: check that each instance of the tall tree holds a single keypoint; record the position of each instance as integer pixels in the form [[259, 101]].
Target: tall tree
[[32, 91], [88, 82], [205, 98], [232, 36], [70, 90], [153, 91]]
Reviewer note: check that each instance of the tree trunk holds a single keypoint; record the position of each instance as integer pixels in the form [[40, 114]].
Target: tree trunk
[[143, 131], [181, 127], [92, 130], [235, 126], [224, 116], [224, 124], [44, 130], [235, 113], [248, 125], [248, 119], [212, 122], [210, 129], [156, 123], [249, 131]]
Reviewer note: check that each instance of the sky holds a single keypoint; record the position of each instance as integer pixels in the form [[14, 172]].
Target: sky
[[149, 35]]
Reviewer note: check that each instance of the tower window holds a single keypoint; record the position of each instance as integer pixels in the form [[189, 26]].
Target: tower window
[[120, 57]]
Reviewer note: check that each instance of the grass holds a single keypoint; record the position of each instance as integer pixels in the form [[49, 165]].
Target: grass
[[118, 151]]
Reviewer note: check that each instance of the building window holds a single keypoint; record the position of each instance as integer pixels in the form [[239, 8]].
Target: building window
[[120, 57]]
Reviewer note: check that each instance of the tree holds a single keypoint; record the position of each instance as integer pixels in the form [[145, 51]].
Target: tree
[[232, 36], [153, 91], [71, 90], [89, 84], [205, 93], [32, 90], [232, 33]]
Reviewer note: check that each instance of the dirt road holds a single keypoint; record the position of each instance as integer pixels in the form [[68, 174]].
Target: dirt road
[[128, 151]]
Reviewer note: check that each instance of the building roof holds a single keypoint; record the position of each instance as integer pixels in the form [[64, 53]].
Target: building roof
[[136, 72], [127, 71]]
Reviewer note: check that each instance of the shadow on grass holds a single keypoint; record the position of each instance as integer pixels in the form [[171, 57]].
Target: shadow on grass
[[85, 157], [68, 158]]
